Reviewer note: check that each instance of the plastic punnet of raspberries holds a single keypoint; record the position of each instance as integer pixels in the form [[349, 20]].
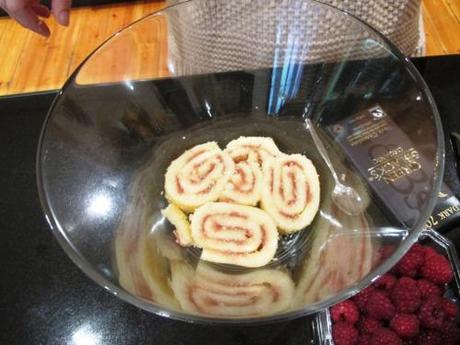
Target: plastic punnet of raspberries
[[405, 325], [368, 325], [386, 282], [450, 308], [429, 337], [450, 333], [344, 333], [431, 313], [437, 269], [345, 311], [406, 296], [385, 336], [410, 263], [402, 310], [361, 298], [428, 288], [379, 306]]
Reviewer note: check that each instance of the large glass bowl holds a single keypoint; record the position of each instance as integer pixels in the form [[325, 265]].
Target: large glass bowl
[[215, 70]]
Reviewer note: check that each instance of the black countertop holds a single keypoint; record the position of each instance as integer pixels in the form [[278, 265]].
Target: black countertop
[[46, 299]]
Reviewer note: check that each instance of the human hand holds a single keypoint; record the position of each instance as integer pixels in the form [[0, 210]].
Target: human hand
[[28, 13]]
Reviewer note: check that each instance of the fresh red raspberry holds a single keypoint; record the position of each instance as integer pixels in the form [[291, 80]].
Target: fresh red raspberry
[[379, 306], [345, 311], [418, 247], [386, 282], [361, 298], [429, 337], [406, 296], [364, 339], [450, 333], [428, 251], [428, 289], [368, 325], [385, 336], [431, 313], [344, 333], [450, 308], [405, 325], [437, 269], [410, 263]]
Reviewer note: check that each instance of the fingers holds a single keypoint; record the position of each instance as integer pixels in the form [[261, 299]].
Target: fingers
[[61, 10], [27, 13], [41, 10], [28, 18]]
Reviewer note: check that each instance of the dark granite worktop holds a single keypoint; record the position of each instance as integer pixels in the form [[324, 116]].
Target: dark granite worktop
[[46, 299]]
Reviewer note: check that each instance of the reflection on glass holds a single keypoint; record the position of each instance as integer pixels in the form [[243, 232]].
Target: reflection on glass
[[99, 205], [85, 336], [129, 85], [209, 291]]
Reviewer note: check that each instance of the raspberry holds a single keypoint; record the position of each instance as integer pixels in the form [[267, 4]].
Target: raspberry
[[437, 270], [427, 288], [428, 251], [368, 325], [418, 247], [429, 337], [345, 311], [384, 336], [386, 282], [406, 295], [431, 313], [344, 333], [361, 298], [410, 263], [364, 339], [450, 308], [379, 306], [450, 333], [405, 325]]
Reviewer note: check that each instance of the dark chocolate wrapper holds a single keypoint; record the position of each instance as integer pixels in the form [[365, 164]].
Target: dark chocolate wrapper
[[446, 213], [396, 170]]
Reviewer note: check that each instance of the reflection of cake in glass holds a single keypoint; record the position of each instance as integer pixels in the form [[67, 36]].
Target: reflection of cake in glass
[[341, 254], [208, 291]]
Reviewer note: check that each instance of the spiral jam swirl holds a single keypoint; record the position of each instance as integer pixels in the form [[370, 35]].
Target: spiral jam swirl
[[198, 176], [244, 185], [234, 234], [290, 191], [253, 149], [210, 292]]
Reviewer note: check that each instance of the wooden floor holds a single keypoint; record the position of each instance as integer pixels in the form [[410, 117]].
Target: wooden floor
[[31, 63]]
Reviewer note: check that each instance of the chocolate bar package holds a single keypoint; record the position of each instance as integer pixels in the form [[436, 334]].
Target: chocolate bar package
[[396, 170]]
